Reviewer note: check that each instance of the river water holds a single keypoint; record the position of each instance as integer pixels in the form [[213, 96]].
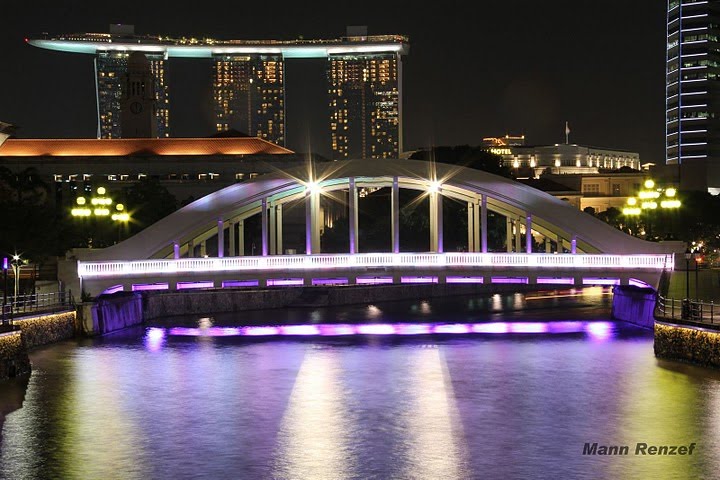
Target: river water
[[513, 401]]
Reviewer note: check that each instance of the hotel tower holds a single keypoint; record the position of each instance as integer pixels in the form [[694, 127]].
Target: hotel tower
[[364, 83]]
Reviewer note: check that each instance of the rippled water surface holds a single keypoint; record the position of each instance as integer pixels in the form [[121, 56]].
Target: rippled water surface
[[502, 405]]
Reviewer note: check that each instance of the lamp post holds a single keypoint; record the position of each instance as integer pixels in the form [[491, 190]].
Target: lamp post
[[100, 207], [647, 201], [5, 275], [686, 301]]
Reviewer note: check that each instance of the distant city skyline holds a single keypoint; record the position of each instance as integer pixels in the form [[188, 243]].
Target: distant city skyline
[[473, 71]]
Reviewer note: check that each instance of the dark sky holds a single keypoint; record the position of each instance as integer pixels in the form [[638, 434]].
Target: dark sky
[[475, 69]]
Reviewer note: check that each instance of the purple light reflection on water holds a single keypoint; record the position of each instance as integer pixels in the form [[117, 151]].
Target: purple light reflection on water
[[495, 327], [154, 339], [332, 330], [598, 330], [261, 331], [300, 330], [413, 329], [456, 328], [376, 329], [529, 327]]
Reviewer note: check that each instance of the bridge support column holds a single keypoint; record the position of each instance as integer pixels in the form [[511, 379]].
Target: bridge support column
[[528, 233], [176, 250], [191, 248], [474, 228], [573, 245], [312, 222], [518, 235], [508, 233], [264, 226], [241, 238], [279, 229], [395, 216], [483, 224], [436, 222], [559, 248], [203, 249], [232, 226], [548, 245], [353, 215], [221, 239]]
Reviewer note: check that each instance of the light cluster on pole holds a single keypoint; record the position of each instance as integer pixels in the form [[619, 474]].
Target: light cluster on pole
[[648, 199], [101, 207]]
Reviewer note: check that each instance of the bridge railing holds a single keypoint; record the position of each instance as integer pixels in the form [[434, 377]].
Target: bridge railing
[[333, 261], [686, 309]]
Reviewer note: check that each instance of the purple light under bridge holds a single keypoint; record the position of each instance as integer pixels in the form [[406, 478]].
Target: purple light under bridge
[[598, 330]]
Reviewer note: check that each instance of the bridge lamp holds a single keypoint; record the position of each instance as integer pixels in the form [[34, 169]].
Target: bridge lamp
[[313, 187], [434, 186], [649, 183], [670, 192], [80, 200]]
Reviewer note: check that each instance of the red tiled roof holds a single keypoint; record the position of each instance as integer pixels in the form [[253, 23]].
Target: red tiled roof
[[52, 147]]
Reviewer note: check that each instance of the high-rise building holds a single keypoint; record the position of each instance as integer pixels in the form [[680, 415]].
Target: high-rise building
[[364, 105], [692, 104], [364, 83], [249, 95]]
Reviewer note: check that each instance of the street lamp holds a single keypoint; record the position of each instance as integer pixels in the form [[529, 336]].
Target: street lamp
[[5, 271], [651, 198], [17, 264], [686, 302]]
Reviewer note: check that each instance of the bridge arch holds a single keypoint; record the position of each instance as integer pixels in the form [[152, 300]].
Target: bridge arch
[[524, 208]]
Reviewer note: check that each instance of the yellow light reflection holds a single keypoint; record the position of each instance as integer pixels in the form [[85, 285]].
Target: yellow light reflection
[[313, 442], [433, 425]]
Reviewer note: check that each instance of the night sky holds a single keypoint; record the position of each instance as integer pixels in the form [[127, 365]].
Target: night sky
[[475, 69]]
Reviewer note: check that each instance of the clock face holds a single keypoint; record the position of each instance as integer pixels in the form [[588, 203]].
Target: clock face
[[136, 107]]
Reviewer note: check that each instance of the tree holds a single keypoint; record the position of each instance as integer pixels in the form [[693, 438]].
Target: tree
[[148, 202], [466, 156]]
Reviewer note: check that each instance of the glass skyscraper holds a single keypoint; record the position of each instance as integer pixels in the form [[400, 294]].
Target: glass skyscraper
[[692, 106]]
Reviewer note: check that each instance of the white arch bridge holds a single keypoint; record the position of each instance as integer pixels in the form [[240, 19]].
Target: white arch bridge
[[575, 248]]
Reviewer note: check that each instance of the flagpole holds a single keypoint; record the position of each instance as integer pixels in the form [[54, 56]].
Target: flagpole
[[567, 133]]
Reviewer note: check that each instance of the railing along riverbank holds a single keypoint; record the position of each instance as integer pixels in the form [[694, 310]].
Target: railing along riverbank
[[15, 306], [687, 309]]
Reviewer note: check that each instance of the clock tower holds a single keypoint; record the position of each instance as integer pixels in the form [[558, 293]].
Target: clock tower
[[137, 116]]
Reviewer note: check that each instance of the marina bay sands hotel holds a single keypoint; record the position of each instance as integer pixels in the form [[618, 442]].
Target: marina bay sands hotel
[[364, 83]]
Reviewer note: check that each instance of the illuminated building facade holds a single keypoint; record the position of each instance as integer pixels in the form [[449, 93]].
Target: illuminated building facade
[[249, 95], [692, 105], [363, 77], [535, 160], [364, 105]]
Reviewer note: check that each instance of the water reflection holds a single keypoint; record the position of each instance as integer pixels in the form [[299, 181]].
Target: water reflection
[[313, 438], [433, 426], [457, 393]]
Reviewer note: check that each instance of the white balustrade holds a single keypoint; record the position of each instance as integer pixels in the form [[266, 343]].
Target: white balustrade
[[364, 260]]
